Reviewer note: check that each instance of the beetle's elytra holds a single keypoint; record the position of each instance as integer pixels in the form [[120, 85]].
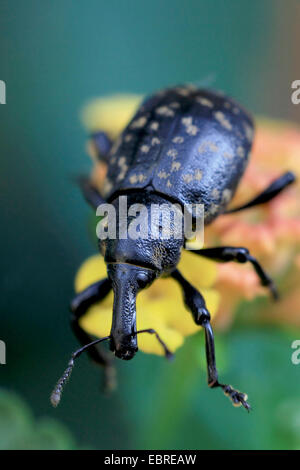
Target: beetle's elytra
[[186, 146]]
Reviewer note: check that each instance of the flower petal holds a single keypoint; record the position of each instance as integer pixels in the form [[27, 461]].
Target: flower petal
[[111, 113], [92, 270], [199, 271]]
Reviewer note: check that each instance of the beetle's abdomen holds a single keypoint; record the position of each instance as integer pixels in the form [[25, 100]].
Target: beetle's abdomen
[[191, 145]]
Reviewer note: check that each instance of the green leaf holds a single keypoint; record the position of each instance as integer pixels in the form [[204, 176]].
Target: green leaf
[[20, 431]]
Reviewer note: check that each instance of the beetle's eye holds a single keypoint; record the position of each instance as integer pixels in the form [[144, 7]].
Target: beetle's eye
[[142, 280]]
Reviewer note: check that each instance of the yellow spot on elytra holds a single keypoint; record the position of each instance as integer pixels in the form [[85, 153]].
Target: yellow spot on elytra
[[248, 131], [154, 126], [138, 123], [141, 178], [208, 145], [183, 91], [178, 140], [240, 151], [220, 117], [163, 175], [186, 121], [228, 154], [205, 102], [165, 111], [190, 128], [215, 193], [137, 178], [122, 173], [198, 175], [145, 148], [175, 166], [172, 153], [123, 166], [122, 161], [226, 196], [187, 178], [155, 141], [133, 179]]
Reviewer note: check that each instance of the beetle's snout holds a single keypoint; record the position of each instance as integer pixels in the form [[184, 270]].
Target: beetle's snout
[[125, 351], [123, 342], [124, 346], [125, 354]]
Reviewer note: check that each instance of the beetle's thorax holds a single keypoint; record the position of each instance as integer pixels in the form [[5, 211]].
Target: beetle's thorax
[[146, 240]]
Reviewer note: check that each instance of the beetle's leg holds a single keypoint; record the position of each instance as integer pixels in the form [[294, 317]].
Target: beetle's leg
[[196, 304], [269, 193], [90, 192], [79, 306], [101, 145], [240, 255]]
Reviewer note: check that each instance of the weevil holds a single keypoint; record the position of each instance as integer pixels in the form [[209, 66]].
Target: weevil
[[184, 146]]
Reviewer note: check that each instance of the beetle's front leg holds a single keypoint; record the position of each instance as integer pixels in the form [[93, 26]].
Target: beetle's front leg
[[90, 192], [101, 145], [79, 306], [240, 255], [196, 304]]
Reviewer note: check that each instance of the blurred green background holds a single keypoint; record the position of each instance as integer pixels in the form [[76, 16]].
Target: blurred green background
[[55, 55]]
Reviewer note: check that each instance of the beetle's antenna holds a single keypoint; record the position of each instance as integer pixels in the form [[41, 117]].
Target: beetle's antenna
[[56, 394], [168, 353]]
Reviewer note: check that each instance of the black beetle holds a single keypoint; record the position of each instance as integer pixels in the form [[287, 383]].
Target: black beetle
[[183, 146]]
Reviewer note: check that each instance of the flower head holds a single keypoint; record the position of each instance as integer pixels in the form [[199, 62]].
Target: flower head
[[271, 232]]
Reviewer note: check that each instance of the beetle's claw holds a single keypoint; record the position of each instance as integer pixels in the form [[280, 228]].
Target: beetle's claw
[[169, 355], [237, 398]]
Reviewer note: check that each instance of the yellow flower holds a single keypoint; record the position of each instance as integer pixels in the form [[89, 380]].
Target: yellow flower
[[160, 306], [110, 114]]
